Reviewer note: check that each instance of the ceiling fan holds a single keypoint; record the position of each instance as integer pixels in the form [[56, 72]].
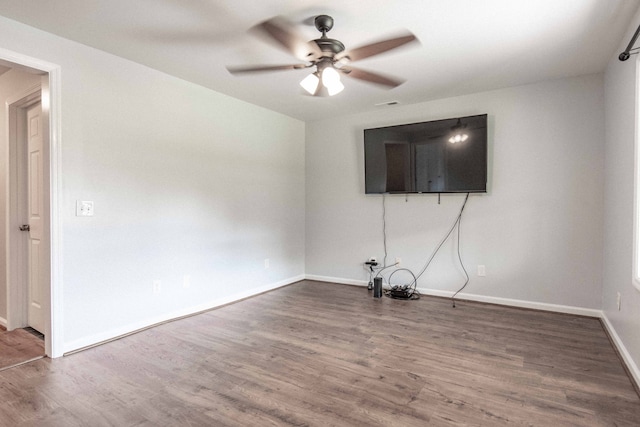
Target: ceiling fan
[[328, 56]]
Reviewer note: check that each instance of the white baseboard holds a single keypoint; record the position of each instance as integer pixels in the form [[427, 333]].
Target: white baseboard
[[557, 308], [336, 280], [626, 357], [3, 322], [479, 298], [116, 333]]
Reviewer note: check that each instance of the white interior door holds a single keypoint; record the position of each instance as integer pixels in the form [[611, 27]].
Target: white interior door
[[35, 209]]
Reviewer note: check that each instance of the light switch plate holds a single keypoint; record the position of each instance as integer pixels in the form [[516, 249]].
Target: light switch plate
[[84, 208]]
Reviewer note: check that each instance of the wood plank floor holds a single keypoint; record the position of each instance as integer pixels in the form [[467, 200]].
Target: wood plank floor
[[330, 355], [18, 346]]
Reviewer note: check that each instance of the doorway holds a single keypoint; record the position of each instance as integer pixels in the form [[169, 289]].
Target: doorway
[[33, 252], [28, 246]]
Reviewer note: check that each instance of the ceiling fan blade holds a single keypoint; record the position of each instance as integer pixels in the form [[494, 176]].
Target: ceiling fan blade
[[377, 48], [371, 77], [261, 68], [285, 35]]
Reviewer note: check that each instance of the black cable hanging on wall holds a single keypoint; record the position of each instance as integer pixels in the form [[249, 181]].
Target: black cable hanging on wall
[[630, 50]]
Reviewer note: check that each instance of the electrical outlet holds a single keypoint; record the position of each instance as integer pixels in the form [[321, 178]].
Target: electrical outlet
[[186, 281], [157, 287], [398, 260], [619, 301], [482, 271], [266, 263]]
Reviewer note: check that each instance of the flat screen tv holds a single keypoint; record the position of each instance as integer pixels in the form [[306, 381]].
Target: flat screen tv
[[441, 156]]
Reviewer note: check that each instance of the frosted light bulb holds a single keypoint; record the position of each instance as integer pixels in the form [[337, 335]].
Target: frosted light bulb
[[335, 88], [330, 77], [310, 83], [331, 80]]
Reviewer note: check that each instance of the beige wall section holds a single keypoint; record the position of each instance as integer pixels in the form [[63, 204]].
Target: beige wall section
[[621, 85], [538, 230], [192, 188], [12, 84]]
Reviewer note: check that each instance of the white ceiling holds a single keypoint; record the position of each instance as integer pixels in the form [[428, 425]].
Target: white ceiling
[[466, 45]]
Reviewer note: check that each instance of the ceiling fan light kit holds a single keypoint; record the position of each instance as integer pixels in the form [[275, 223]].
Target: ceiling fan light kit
[[327, 55], [329, 79]]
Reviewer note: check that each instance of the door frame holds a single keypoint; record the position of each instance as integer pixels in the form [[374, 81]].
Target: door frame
[[51, 87]]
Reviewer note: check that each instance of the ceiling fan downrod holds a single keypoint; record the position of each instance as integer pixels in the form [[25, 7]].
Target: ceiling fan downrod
[[324, 24]]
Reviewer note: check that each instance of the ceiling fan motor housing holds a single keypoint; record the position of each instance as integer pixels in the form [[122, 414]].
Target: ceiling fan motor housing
[[331, 46]]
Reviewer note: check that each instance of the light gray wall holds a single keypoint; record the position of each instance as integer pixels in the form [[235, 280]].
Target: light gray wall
[[185, 181], [621, 85], [12, 83], [538, 230]]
